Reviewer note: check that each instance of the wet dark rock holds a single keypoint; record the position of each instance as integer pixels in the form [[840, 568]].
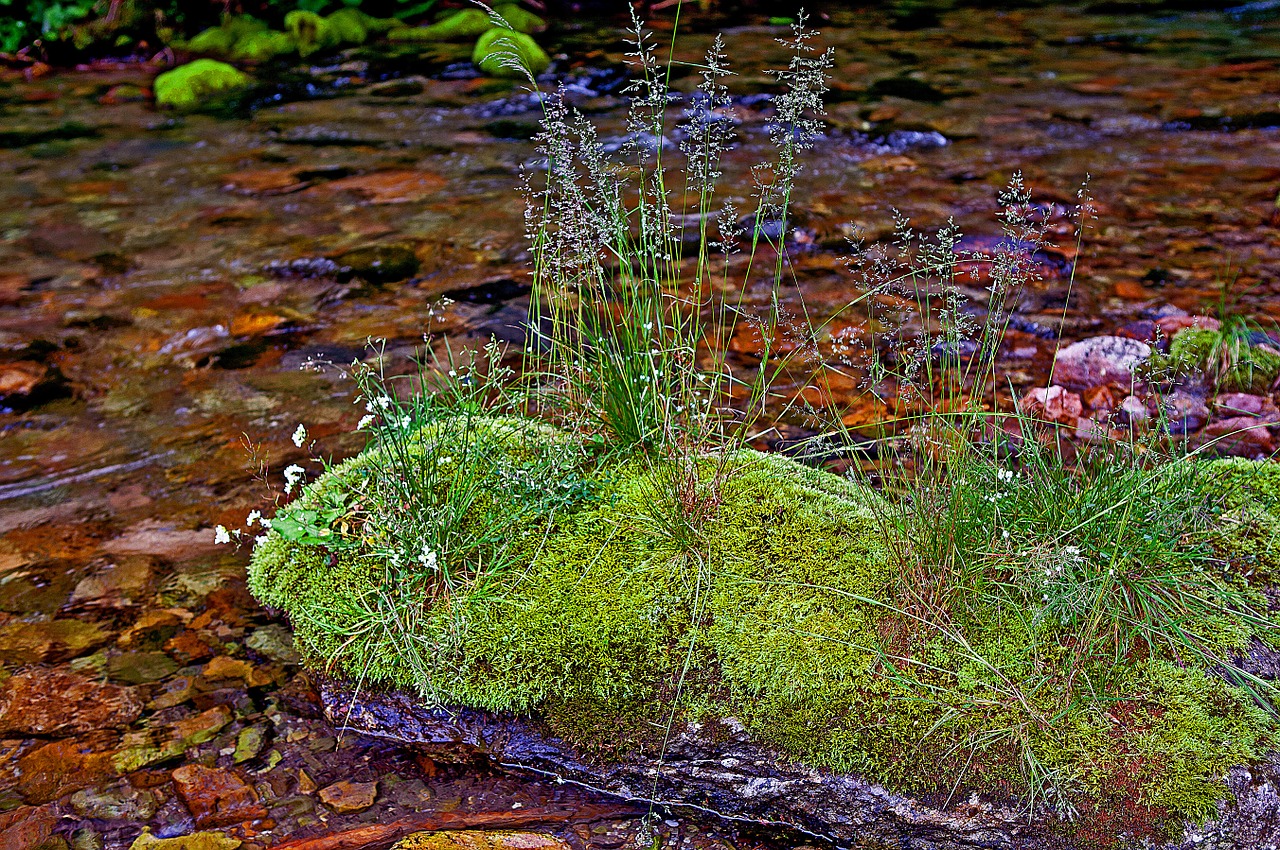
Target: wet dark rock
[[403, 87], [61, 704], [491, 292], [25, 383], [908, 88], [377, 264], [240, 355], [1099, 360], [509, 128], [21, 137], [304, 267], [718, 769]]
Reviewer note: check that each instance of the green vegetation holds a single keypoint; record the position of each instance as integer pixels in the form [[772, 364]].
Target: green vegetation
[[1227, 357], [300, 28], [591, 537], [195, 84]]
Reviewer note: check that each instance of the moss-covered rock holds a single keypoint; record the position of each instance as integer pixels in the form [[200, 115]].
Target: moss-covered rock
[[519, 18], [1235, 363], [502, 53], [311, 32], [262, 46], [199, 83], [463, 25], [222, 40], [1251, 520], [781, 607]]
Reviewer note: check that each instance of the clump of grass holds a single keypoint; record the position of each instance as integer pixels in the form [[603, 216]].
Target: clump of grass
[[589, 537]]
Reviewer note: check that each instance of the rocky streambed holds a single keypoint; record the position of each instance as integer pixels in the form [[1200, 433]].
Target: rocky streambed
[[164, 279]]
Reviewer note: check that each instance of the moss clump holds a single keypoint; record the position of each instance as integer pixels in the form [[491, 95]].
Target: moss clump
[[1229, 358], [781, 608], [519, 18], [311, 32], [262, 47], [460, 26], [1251, 520], [198, 84], [499, 49]]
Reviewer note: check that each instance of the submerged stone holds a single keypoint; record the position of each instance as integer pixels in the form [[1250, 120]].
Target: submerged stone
[[198, 83], [449, 839]]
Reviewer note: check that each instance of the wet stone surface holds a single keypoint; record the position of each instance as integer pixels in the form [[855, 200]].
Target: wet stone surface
[[174, 288]]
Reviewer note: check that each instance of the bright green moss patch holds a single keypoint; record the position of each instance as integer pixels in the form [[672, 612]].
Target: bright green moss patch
[[198, 83], [505, 53], [1251, 523], [749, 587], [1227, 356]]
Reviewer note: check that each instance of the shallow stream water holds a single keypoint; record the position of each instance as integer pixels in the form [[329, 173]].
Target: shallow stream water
[[170, 295]]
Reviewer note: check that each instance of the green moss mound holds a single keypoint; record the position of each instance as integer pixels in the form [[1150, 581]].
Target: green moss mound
[[198, 84], [1251, 524], [781, 608], [519, 18], [500, 52], [1236, 365]]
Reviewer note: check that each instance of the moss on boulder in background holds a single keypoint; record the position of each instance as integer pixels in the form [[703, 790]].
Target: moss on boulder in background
[[519, 18], [460, 26], [199, 84], [499, 48], [1237, 365]]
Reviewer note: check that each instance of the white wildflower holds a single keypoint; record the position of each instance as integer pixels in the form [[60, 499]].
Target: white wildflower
[[428, 558], [221, 535], [292, 475], [299, 435], [365, 422], [1004, 474], [253, 517]]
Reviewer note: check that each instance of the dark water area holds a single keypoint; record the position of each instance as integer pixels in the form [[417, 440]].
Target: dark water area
[[178, 293]]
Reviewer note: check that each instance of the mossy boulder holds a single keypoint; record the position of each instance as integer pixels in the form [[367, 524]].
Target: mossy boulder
[[311, 32], [199, 84], [463, 25], [1251, 523], [502, 53], [222, 40], [262, 47], [748, 594], [519, 18], [1237, 364]]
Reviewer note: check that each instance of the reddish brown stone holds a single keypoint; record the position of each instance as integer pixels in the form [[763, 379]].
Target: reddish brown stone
[[25, 827], [216, 797], [344, 797], [61, 767], [53, 702], [1054, 404]]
